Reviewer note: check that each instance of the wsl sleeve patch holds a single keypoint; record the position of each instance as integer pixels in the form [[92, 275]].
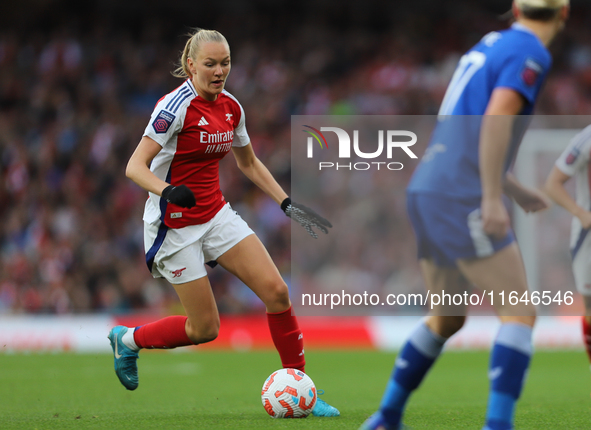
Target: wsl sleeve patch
[[163, 121], [572, 156], [574, 153], [531, 71]]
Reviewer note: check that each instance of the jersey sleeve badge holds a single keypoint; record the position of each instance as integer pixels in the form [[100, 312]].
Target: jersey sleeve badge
[[575, 151], [531, 71], [163, 122], [572, 157]]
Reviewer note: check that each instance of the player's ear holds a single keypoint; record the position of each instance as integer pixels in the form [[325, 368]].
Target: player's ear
[[191, 65]]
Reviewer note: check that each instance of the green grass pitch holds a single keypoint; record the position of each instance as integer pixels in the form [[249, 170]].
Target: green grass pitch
[[221, 390]]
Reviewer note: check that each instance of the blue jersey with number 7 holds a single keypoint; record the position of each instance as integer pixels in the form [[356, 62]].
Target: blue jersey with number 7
[[513, 58]]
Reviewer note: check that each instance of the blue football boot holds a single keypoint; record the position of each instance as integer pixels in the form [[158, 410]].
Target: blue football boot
[[376, 422], [125, 358], [323, 409]]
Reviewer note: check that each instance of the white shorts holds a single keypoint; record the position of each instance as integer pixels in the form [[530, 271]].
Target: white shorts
[[179, 254], [582, 267]]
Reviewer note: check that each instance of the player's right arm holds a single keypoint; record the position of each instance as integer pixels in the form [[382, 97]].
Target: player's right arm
[[495, 137], [138, 167], [138, 170], [555, 189]]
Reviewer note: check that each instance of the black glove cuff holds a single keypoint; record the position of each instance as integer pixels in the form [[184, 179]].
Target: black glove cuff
[[166, 191], [285, 203]]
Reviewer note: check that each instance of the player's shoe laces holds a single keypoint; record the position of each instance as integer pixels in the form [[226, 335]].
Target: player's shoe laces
[[376, 422], [323, 409], [125, 358]]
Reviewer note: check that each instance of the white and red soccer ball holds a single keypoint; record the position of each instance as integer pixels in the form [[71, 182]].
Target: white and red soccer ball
[[289, 393]]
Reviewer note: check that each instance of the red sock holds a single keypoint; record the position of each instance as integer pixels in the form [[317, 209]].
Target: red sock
[[288, 339], [168, 332], [587, 337]]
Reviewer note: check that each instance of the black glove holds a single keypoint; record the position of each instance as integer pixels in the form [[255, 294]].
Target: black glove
[[305, 216], [180, 196]]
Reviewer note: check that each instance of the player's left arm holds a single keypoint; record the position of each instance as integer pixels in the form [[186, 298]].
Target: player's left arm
[[495, 137], [529, 199], [258, 173], [556, 190]]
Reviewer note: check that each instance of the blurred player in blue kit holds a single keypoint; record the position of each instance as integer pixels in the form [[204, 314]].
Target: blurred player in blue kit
[[575, 162], [455, 204]]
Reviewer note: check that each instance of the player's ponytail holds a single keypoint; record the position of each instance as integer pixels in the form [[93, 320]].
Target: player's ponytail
[[182, 70], [192, 46]]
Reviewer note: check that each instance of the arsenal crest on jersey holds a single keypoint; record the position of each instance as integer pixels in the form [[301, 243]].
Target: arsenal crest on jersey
[[229, 118]]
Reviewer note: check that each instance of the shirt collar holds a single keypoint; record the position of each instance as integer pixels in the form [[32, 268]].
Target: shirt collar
[[191, 86]]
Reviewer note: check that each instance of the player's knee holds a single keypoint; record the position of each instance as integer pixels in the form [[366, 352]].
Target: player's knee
[[277, 295]]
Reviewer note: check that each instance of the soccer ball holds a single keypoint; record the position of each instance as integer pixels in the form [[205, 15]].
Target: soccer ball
[[288, 393]]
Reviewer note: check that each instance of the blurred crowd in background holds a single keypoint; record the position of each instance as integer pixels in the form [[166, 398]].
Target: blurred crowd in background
[[78, 83]]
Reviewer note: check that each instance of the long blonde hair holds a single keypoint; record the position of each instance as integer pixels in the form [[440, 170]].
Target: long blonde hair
[[192, 46]]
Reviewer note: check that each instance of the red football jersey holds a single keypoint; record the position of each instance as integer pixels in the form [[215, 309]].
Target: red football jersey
[[195, 134]]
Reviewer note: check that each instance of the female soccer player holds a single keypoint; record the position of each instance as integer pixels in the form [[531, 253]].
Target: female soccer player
[[574, 161], [187, 222], [455, 204]]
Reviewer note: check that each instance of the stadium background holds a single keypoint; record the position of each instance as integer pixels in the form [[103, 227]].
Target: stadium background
[[78, 81]]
